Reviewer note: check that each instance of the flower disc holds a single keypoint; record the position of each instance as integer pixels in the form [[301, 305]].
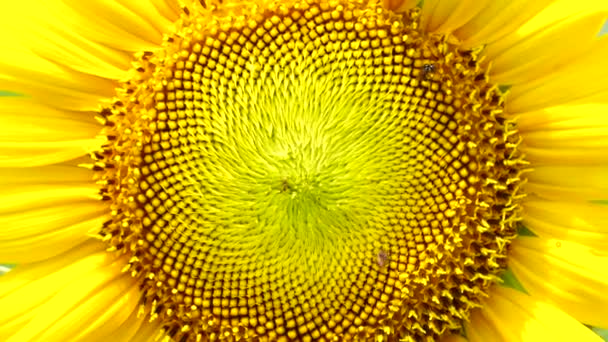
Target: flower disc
[[315, 170]]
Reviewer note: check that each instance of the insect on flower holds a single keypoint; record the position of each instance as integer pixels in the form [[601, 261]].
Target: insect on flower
[[382, 258], [427, 71]]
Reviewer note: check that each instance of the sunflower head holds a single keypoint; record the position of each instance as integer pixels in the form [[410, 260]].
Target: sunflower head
[[309, 170]]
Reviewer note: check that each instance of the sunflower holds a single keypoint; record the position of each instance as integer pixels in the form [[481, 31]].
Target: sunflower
[[303, 170]]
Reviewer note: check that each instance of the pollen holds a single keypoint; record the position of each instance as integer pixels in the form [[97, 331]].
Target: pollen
[[309, 170]]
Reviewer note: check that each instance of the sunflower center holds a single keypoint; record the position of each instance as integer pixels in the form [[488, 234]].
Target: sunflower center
[[315, 170]]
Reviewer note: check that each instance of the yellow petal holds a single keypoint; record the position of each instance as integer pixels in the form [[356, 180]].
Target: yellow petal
[[139, 24], [46, 211], [26, 154], [25, 120], [47, 232], [35, 134], [31, 286], [576, 155], [76, 307], [160, 14], [480, 329], [64, 59], [170, 9], [94, 306], [149, 331], [572, 276], [531, 52], [399, 5], [512, 316], [28, 285], [63, 174], [580, 222], [445, 16], [50, 36], [564, 117], [41, 196], [498, 18], [453, 338], [126, 332], [569, 183], [574, 134], [588, 73], [100, 316], [24, 72]]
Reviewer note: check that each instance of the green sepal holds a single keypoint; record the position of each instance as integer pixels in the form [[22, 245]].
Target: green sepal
[[525, 231], [510, 280], [504, 88], [603, 333]]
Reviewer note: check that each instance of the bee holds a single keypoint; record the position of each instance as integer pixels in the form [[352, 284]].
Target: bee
[[382, 258], [428, 70]]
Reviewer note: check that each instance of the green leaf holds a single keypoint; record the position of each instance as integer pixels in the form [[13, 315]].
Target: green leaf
[[601, 202]]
